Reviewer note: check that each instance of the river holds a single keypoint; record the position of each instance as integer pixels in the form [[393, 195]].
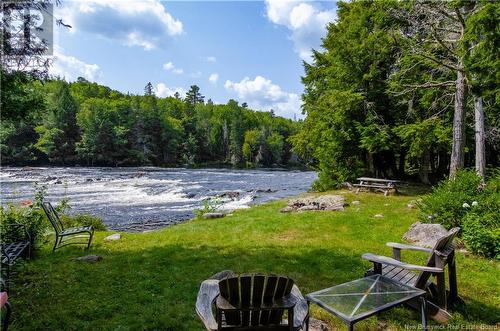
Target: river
[[142, 198]]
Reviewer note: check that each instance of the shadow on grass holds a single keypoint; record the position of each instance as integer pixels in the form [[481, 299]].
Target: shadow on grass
[[155, 288]]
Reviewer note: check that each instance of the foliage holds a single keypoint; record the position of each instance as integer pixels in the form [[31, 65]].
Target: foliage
[[379, 96], [87, 123], [466, 202], [481, 234], [304, 246], [83, 220], [29, 214], [211, 205]]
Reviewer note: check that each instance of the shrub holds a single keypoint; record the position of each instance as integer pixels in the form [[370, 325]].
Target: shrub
[[209, 206], [27, 213], [468, 203], [481, 235], [83, 220], [445, 205]]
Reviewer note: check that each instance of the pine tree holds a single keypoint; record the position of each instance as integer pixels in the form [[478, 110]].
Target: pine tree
[[193, 96], [148, 89]]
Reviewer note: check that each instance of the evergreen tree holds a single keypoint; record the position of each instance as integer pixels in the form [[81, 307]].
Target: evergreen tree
[[193, 96], [60, 132], [148, 89]]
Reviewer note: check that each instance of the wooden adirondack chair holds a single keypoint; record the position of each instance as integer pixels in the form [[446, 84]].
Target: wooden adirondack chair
[[64, 236], [440, 256], [251, 302]]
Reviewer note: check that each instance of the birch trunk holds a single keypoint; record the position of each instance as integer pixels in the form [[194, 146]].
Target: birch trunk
[[458, 146], [480, 137]]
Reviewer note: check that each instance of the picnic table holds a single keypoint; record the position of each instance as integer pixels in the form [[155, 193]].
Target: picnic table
[[384, 185]]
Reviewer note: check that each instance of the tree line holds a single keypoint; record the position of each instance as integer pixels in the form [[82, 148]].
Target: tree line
[[51, 121], [404, 89]]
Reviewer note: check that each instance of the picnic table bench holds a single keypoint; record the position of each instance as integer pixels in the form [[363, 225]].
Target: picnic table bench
[[384, 185]]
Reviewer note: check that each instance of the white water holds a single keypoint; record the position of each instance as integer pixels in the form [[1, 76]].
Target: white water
[[150, 197]]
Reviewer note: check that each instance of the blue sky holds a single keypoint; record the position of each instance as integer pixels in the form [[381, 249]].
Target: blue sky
[[251, 51]]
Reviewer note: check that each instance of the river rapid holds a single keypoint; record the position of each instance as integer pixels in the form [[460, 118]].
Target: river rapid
[[144, 198]]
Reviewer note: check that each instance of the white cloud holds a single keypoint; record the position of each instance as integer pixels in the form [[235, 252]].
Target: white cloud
[[169, 66], [163, 91], [213, 78], [211, 59], [70, 68], [260, 93], [143, 23], [306, 21]]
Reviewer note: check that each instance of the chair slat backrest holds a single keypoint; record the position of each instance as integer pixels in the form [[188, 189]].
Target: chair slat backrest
[[53, 217], [444, 246], [254, 291]]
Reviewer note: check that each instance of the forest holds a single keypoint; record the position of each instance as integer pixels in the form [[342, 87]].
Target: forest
[[84, 123], [404, 89], [399, 89]]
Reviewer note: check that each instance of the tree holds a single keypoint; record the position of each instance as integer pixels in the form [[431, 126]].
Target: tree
[[193, 96], [148, 89], [60, 132], [436, 31]]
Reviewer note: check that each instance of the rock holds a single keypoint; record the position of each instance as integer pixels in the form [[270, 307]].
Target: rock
[[266, 191], [355, 202], [230, 195], [212, 215], [190, 195], [323, 202], [286, 209], [378, 216], [308, 207], [423, 234], [411, 206], [89, 258], [113, 237]]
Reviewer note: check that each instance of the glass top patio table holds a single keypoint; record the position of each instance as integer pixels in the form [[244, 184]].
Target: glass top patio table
[[361, 298]]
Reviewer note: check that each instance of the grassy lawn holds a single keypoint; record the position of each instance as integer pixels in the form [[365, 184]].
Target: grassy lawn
[[150, 280]]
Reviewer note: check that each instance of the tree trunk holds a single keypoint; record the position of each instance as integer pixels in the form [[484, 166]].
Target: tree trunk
[[457, 152], [480, 137], [424, 168]]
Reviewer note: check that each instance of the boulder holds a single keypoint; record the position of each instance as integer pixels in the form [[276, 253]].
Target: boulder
[[287, 209], [230, 195], [213, 215], [89, 258], [411, 206], [113, 237], [323, 202], [424, 234]]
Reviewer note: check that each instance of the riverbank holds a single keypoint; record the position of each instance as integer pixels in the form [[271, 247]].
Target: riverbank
[[149, 281]]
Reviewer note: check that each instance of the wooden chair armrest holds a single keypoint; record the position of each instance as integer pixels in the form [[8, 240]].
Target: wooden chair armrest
[[390, 261], [409, 247], [209, 290]]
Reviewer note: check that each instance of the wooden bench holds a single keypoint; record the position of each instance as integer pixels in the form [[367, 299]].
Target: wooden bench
[[10, 252], [378, 184]]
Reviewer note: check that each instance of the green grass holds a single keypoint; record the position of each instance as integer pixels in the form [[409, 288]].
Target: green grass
[[149, 281]]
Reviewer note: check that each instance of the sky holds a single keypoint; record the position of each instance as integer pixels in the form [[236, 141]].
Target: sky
[[251, 51]]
